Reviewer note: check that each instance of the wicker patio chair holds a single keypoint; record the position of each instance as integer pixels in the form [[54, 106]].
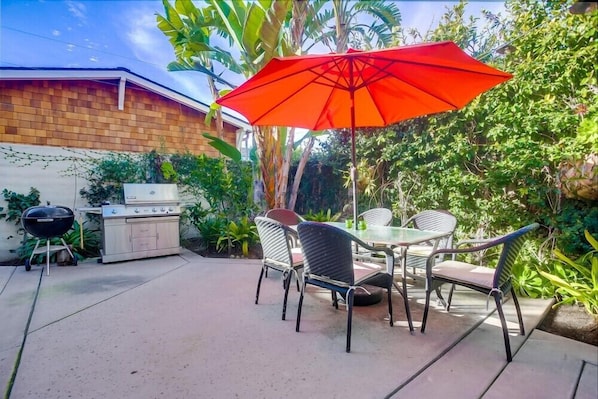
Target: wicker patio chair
[[285, 216], [433, 220], [495, 282], [275, 238], [377, 217], [329, 264]]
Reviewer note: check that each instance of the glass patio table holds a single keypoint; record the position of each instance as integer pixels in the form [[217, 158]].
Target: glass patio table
[[392, 236]]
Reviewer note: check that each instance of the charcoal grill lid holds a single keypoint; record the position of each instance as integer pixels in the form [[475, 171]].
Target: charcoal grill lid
[[47, 221]]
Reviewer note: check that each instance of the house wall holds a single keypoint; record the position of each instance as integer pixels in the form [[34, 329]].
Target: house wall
[[45, 125], [85, 114]]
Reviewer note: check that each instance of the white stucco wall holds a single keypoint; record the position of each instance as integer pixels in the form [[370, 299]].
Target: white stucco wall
[[57, 182], [53, 180]]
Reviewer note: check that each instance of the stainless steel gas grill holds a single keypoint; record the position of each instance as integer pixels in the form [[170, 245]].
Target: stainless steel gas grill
[[147, 225]]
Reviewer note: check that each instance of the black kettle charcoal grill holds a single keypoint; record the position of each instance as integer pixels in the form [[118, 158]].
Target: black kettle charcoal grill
[[47, 222]]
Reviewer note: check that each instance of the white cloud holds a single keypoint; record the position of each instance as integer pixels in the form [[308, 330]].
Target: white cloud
[[55, 32], [77, 9], [145, 40]]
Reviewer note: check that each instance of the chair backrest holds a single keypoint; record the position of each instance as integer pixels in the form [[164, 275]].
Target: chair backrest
[[275, 240], [284, 216], [435, 220], [512, 244], [377, 217], [327, 252]]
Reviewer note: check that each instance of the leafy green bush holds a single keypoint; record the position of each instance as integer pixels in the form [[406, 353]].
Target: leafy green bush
[[322, 216], [107, 175], [211, 227], [244, 234], [577, 283], [18, 203]]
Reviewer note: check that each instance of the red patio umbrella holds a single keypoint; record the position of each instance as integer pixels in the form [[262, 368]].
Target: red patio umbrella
[[362, 89]]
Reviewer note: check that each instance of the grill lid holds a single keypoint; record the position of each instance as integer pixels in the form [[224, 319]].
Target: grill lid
[[144, 194], [47, 221]]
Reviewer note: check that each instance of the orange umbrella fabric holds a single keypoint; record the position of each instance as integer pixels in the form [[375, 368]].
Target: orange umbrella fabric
[[362, 88]]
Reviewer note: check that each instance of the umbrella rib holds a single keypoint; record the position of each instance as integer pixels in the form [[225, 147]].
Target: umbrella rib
[[385, 73]]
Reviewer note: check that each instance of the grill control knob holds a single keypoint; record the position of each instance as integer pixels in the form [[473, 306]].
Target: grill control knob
[[114, 211], [154, 210], [162, 209], [170, 209], [136, 210]]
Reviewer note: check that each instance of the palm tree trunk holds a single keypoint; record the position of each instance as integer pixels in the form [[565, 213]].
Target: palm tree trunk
[[300, 170]]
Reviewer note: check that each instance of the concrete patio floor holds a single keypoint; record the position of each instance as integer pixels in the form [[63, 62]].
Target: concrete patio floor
[[187, 327]]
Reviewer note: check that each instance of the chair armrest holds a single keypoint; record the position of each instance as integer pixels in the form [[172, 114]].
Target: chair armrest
[[408, 221], [388, 254], [292, 236], [484, 244], [475, 241]]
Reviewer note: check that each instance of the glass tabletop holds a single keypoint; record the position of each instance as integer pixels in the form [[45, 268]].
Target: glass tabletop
[[391, 235]]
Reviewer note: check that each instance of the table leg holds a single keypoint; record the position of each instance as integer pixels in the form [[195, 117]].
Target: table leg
[[403, 290]]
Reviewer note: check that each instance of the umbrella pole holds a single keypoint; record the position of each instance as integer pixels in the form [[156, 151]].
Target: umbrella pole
[[354, 184], [354, 161]]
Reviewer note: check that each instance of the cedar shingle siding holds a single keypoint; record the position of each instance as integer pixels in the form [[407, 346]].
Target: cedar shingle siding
[[84, 114]]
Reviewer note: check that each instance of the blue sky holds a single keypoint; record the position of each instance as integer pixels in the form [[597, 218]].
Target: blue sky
[[123, 33]]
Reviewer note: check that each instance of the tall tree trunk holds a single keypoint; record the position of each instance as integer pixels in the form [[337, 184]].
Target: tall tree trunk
[[269, 156], [283, 173], [299, 172]]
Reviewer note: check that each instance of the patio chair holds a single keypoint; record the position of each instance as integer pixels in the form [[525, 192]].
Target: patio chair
[[433, 220], [329, 264], [275, 238], [285, 216], [489, 281], [377, 217]]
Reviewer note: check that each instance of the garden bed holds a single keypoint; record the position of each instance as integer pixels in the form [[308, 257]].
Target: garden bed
[[571, 321]]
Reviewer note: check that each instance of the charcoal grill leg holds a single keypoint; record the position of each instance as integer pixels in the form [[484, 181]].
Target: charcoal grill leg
[[67, 248], [28, 264], [48, 256]]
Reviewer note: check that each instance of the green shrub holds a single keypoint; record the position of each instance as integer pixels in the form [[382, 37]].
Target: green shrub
[[18, 203], [244, 234], [576, 281], [322, 216]]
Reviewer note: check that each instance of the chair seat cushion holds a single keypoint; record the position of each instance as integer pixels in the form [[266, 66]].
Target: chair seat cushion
[[420, 250], [465, 272], [364, 270], [297, 256], [416, 250]]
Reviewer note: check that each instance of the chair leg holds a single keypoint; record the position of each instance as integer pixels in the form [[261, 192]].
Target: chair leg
[[503, 323], [518, 309], [426, 308], [287, 285], [407, 311], [259, 283], [389, 290], [349, 318], [299, 307], [334, 299], [441, 299], [450, 298]]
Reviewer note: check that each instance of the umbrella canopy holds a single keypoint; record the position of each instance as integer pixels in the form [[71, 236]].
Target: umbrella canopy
[[362, 88]]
